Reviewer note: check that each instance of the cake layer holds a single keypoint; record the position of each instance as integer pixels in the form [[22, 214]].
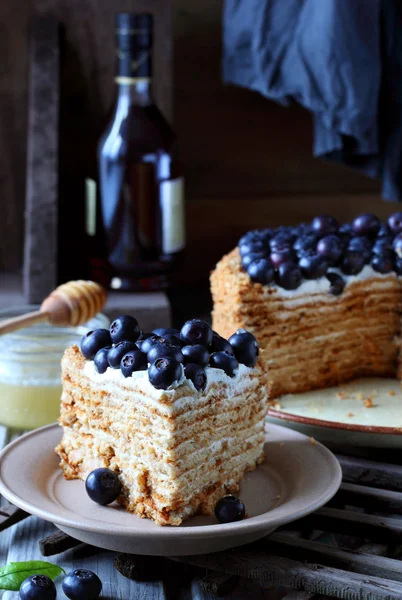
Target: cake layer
[[310, 337]]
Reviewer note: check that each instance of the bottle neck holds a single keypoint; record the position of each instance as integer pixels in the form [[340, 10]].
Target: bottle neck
[[134, 74], [137, 93]]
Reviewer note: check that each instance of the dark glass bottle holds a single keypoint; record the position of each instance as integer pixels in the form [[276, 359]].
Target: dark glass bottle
[[140, 183]]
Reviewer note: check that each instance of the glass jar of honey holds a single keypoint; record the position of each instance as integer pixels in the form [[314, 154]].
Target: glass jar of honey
[[30, 372]]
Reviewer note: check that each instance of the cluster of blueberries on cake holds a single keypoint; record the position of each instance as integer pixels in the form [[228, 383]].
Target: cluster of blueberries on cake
[[324, 248], [166, 352]]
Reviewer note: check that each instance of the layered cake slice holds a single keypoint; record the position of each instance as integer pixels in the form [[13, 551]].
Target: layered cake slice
[[179, 416], [323, 300]]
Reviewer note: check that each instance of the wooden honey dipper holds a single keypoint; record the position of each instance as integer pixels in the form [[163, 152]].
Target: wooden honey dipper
[[72, 303]]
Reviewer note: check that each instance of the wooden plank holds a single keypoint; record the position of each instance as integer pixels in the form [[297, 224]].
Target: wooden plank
[[371, 473], [311, 577], [370, 498], [41, 216]]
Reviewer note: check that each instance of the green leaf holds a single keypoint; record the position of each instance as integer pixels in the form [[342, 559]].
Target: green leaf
[[13, 574]]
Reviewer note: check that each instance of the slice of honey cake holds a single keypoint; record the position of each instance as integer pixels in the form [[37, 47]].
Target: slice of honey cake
[[179, 416]]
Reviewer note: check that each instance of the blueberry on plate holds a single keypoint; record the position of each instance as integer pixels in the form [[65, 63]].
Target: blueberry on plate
[[37, 587], [245, 347], [330, 247], [165, 351], [229, 509], [82, 584], [135, 360], [147, 344], [219, 344], [100, 360], [196, 354], [196, 374], [395, 223], [313, 266], [163, 331], [289, 276], [196, 331], [103, 486], [164, 372], [324, 225], [261, 271], [337, 283], [352, 263], [117, 352], [366, 224], [397, 245], [221, 360], [382, 264], [125, 328], [94, 341]]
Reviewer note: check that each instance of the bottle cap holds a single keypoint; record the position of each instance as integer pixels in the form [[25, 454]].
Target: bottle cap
[[134, 30]]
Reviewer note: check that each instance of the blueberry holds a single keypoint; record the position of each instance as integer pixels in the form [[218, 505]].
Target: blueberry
[[313, 266], [367, 224], [94, 341], [82, 584], [384, 231], [397, 245], [125, 328], [305, 243], [221, 360], [165, 351], [37, 587], [245, 347], [383, 247], [398, 266], [331, 247], [103, 486], [346, 230], [352, 262], [196, 354], [259, 246], [147, 344], [278, 257], [382, 264], [196, 374], [324, 225], [289, 276], [164, 372], [261, 271], [219, 344], [174, 339], [100, 360], [134, 360], [361, 245], [229, 509], [196, 331], [163, 331], [395, 223], [249, 258], [281, 243], [117, 352], [337, 284]]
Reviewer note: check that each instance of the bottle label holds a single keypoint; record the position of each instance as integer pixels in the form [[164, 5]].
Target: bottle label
[[173, 218], [90, 207]]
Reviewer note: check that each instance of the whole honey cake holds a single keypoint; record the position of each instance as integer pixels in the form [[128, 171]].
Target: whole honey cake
[[323, 300], [177, 415]]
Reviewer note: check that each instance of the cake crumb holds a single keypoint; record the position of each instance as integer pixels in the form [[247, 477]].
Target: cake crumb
[[350, 414], [359, 396], [313, 441], [368, 403], [391, 393], [341, 396], [282, 444], [277, 406]]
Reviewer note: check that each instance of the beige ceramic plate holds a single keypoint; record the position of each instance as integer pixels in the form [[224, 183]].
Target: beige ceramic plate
[[365, 412], [297, 477]]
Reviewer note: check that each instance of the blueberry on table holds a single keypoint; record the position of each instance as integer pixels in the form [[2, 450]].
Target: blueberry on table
[[165, 351], [196, 331], [135, 360], [103, 486], [324, 225], [196, 354], [221, 360], [125, 328], [337, 284], [117, 352], [261, 271], [230, 509], [395, 223], [382, 264], [366, 224], [313, 266], [146, 345], [219, 344], [162, 331], [289, 276], [330, 247], [100, 359], [164, 372], [245, 347], [37, 587], [94, 341], [196, 373], [82, 584], [352, 262]]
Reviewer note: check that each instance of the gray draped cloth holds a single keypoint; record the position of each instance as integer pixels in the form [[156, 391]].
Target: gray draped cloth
[[340, 59]]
